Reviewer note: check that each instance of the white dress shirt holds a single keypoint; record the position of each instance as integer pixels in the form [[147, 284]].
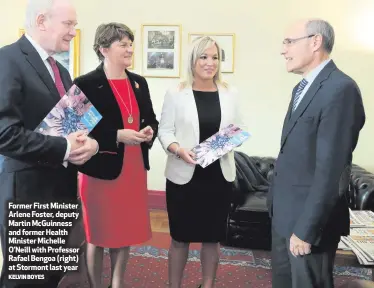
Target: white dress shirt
[[44, 55]]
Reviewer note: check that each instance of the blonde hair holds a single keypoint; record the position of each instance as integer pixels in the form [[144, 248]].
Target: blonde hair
[[197, 48]]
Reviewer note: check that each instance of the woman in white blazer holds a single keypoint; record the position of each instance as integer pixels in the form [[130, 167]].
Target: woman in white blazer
[[198, 199]]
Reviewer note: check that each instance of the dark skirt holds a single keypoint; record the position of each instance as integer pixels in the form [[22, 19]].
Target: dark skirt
[[198, 210]]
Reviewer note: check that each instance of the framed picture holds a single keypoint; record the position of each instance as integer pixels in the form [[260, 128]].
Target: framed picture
[[227, 43], [70, 59], [161, 46]]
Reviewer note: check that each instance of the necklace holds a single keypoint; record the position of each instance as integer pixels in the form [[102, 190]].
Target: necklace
[[130, 119]]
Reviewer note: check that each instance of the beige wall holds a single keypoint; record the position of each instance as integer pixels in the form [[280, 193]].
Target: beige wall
[[259, 69]]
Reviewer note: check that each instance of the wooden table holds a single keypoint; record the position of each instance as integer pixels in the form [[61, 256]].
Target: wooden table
[[348, 258]]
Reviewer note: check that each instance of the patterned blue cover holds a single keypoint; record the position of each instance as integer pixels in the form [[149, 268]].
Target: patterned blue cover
[[74, 112], [219, 144]]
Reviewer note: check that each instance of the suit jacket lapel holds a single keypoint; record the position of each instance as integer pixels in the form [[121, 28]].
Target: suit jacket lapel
[[104, 90], [288, 115], [289, 111], [137, 92], [36, 62], [300, 109], [308, 97]]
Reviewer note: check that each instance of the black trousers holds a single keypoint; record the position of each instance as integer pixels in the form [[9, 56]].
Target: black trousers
[[314, 270]]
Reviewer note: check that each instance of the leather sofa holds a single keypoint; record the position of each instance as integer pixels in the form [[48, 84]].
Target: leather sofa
[[248, 224]]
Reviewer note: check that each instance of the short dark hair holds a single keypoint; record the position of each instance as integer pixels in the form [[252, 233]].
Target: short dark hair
[[108, 33]]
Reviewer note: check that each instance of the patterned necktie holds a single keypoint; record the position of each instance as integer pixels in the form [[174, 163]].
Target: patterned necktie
[[58, 82], [300, 89]]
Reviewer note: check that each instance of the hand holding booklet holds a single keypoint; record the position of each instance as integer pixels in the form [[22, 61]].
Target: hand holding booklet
[[74, 112], [219, 144]]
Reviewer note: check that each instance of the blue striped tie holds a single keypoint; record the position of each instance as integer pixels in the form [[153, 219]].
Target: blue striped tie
[[300, 89]]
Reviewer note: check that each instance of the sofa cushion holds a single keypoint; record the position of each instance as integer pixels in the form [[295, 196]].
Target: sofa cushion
[[255, 202]]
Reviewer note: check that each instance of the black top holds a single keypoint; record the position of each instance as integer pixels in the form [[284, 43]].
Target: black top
[[209, 111]]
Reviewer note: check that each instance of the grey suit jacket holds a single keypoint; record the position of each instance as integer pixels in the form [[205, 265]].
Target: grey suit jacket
[[312, 171], [31, 162]]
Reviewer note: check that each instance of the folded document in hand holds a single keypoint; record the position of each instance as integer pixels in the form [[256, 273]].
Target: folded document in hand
[[219, 144], [74, 112]]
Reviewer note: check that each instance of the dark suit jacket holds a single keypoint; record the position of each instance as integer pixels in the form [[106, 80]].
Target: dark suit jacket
[[107, 163], [32, 163], [312, 171]]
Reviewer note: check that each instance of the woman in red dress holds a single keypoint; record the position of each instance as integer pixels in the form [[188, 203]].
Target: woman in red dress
[[114, 181]]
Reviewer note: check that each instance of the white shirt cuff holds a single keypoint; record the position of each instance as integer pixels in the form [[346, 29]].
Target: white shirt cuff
[[68, 147]]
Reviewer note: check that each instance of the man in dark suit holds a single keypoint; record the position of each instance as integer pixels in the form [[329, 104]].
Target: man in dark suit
[[307, 200], [36, 167]]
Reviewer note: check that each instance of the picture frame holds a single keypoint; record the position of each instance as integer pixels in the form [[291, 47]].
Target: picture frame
[[70, 59], [227, 43], [161, 50]]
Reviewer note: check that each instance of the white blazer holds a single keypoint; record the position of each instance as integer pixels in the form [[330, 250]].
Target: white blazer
[[179, 123]]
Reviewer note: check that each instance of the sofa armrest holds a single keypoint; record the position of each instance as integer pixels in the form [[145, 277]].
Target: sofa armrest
[[362, 186]]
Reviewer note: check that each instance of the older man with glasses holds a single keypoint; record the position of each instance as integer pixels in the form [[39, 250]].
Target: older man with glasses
[[307, 200]]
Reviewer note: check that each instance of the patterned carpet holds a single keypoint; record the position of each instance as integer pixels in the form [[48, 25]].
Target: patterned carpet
[[147, 268]]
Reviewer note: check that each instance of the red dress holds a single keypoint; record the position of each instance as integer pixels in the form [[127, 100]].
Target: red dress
[[115, 212]]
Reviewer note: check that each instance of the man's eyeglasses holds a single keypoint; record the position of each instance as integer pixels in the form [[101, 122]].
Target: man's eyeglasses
[[288, 41]]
